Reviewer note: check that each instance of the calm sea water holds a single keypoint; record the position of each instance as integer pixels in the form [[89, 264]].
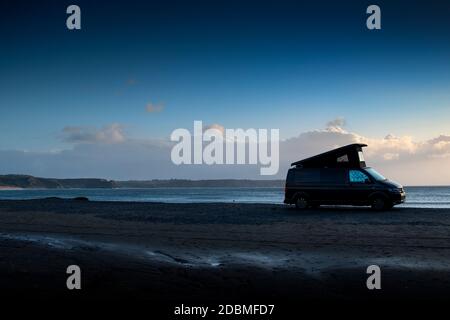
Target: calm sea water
[[429, 197]]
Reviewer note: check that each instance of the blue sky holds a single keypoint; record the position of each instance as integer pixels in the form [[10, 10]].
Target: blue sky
[[290, 65]]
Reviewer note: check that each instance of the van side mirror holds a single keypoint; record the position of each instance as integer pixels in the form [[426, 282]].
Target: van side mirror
[[367, 181]]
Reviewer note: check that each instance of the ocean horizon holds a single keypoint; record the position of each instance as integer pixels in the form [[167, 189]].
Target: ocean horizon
[[417, 196]]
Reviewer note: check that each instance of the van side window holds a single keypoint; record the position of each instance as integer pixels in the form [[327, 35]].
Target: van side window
[[361, 156], [343, 158], [356, 176]]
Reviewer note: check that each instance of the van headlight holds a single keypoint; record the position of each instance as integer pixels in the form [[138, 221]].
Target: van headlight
[[395, 190]]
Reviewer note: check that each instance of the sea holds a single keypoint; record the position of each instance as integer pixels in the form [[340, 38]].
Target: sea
[[419, 197]]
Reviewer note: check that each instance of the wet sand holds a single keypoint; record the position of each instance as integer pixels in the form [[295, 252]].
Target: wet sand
[[221, 252]]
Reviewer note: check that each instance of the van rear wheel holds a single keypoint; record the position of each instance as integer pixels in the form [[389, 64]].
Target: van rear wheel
[[301, 202]]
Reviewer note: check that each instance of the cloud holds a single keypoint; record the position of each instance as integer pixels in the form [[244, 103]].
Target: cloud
[[152, 108], [109, 153], [112, 133], [388, 148], [400, 158], [336, 125], [215, 126], [391, 156]]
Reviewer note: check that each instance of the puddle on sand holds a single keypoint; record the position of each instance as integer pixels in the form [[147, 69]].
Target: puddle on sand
[[53, 242], [313, 263], [141, 252]]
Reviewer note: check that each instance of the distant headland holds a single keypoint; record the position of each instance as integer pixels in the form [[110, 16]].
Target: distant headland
[[17, 181]]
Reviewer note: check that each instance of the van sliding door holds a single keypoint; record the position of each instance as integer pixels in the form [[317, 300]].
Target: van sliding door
[[333, 185]]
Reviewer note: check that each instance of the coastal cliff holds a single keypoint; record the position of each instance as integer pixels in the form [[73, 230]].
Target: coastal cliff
[[14, 181], [27, 182]]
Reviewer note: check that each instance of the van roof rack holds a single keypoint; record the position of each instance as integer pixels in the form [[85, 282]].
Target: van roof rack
[[349, 156]]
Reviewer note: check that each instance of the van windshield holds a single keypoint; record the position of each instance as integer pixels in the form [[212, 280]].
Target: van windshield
[[375, 174]]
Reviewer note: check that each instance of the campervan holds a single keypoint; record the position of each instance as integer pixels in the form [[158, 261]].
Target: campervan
[[340, 177]]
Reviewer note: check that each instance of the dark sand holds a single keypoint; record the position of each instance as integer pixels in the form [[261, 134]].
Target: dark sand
[[202, 253]]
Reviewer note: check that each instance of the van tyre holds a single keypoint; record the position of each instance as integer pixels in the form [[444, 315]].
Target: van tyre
[[301, 202], [389, 205], [379, 203]]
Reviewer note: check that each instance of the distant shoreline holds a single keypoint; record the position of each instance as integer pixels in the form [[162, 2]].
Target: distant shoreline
[[31, 182]]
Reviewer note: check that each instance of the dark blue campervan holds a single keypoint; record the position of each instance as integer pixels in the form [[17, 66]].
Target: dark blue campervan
[[340, 177]]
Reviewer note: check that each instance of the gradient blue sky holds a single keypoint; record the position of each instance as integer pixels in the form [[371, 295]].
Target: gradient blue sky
[[282, 64], [287, 65]]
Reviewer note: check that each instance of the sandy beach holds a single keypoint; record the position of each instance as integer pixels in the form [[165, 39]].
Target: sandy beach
[[221, 252]]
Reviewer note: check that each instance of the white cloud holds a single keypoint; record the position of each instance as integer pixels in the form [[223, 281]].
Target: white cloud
[[152, 108], [109, 153], [214, 126], [336, 125], [391, 156], [401, 158], [112, 133]]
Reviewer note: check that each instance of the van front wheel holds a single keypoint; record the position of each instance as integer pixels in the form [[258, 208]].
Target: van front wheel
[[379, 203], [301, 202]]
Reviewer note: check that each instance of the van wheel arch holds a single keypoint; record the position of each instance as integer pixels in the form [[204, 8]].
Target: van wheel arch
[[379, 201], [301, 200]]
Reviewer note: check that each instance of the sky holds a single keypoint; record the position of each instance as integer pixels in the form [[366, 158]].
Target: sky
[[102, 101]]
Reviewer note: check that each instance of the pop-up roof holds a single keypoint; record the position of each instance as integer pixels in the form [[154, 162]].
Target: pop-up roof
[[350, 156]]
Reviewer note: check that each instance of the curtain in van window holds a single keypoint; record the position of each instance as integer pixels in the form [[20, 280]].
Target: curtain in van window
[[357, 176]]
